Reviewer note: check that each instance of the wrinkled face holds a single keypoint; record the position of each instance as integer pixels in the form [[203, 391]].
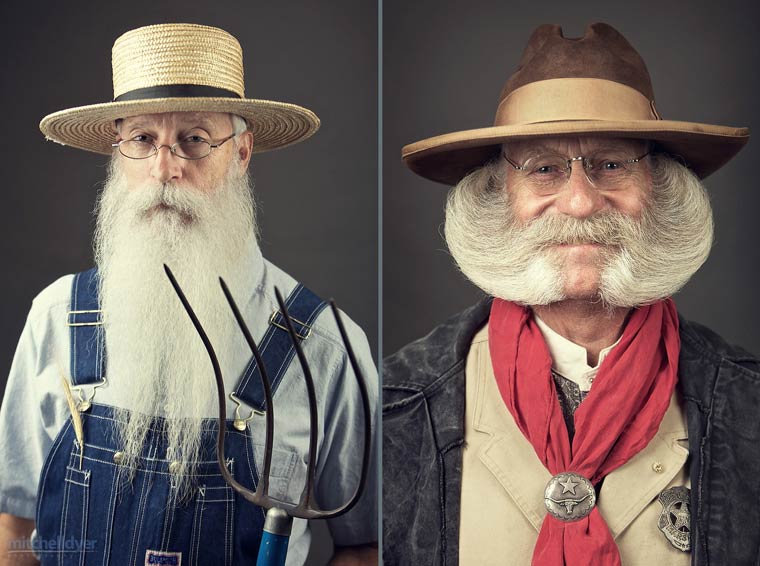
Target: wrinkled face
[[542, 190], [166, 129]]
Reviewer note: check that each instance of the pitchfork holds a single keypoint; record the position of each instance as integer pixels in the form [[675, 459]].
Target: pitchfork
[[279, 516]]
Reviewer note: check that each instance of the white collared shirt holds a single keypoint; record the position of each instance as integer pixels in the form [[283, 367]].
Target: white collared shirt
[[569, 359]]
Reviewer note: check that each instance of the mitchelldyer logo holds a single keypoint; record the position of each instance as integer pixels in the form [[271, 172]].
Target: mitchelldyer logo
[[156, 557]]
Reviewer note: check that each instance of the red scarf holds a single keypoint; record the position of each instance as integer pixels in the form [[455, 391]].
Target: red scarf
[[618, 418]]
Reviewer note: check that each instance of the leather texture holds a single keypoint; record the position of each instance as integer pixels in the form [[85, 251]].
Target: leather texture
[[423, 437]]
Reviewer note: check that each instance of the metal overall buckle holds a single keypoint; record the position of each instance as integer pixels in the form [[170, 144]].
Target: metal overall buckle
[[239, 422], [75, 318], [85, 398]]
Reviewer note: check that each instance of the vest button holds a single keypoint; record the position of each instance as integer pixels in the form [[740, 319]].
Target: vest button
[[657, 467], [118, 458], [173, 467]]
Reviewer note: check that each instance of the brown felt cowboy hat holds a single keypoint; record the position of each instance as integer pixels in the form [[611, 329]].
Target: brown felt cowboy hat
[[594, 85], [176, 68]]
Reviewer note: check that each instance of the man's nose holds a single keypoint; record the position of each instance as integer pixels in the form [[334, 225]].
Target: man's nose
[[579, 198], [165, 165]]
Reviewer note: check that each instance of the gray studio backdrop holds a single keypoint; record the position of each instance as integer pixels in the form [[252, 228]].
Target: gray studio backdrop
[[445, 62], [317, 200]]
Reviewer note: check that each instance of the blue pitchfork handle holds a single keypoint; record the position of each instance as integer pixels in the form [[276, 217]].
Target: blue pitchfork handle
[[274, 540]]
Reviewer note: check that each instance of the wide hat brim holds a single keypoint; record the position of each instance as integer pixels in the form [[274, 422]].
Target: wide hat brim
[[274, 124], [449, 157]]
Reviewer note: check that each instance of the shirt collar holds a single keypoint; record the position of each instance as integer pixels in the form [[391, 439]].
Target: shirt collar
[[256, 273], [569, 359]]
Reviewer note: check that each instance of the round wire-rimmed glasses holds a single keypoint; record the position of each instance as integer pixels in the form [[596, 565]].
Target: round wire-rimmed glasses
[[186, 149], [604, 169]]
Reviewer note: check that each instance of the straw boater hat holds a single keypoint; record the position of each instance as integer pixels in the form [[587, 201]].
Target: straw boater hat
[[175, 68], [596, 85]]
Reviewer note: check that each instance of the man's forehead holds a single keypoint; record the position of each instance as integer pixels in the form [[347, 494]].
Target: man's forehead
[[208, 120], [567, 145]]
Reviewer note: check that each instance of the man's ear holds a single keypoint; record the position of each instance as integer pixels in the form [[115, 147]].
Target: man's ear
[[245, 148]]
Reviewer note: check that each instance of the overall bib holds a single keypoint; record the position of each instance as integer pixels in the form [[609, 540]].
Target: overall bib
[[94, 514]]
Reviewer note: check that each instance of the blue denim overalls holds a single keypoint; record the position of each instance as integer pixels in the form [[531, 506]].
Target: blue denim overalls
[[94, 515]]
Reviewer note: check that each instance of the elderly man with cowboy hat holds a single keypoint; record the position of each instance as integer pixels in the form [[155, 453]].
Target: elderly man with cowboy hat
[[573, 417], [107, 432]]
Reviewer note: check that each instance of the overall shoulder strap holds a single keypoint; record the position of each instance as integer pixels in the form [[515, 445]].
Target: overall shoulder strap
[[277, 349], [86, 330]]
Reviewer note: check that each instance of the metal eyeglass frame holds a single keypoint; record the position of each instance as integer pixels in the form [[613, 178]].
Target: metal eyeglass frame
[[172, 148], [569, 161]]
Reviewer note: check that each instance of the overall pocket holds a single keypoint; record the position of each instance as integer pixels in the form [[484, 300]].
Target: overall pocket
[[213, 525], [226, 528], [72, 542], [68, 527]]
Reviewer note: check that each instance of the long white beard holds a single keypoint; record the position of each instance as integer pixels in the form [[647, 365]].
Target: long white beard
[[157, 365]]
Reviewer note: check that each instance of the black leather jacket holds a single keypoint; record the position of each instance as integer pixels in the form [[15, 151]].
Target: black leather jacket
[[423, 415]]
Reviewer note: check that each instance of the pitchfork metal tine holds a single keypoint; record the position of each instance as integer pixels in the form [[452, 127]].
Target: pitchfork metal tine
[[219, 389], [366, 412], [305, 508], [263, 487], [313, 422]]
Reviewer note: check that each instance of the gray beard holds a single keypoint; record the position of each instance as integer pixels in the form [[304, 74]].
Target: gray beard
[[646, 259], [157, 365]]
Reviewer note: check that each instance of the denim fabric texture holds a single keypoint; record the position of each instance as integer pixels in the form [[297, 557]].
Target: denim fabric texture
[[120, 521], [423, 415], [214, 525], [34, 412]]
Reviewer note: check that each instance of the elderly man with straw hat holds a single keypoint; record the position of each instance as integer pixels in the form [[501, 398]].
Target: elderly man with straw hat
[[107, 432], [573, 418]]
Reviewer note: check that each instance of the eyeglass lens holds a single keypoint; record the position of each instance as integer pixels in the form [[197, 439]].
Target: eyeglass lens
[[137, 149], [549, 172]]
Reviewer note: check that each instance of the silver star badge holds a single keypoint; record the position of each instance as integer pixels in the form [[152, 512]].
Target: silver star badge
[[675, 518]]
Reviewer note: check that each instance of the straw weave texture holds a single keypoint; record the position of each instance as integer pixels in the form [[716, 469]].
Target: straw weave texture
[[179, 54]]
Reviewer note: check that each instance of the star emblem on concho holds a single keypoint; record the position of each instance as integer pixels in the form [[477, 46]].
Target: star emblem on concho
[[569, 496], [569, 485]]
